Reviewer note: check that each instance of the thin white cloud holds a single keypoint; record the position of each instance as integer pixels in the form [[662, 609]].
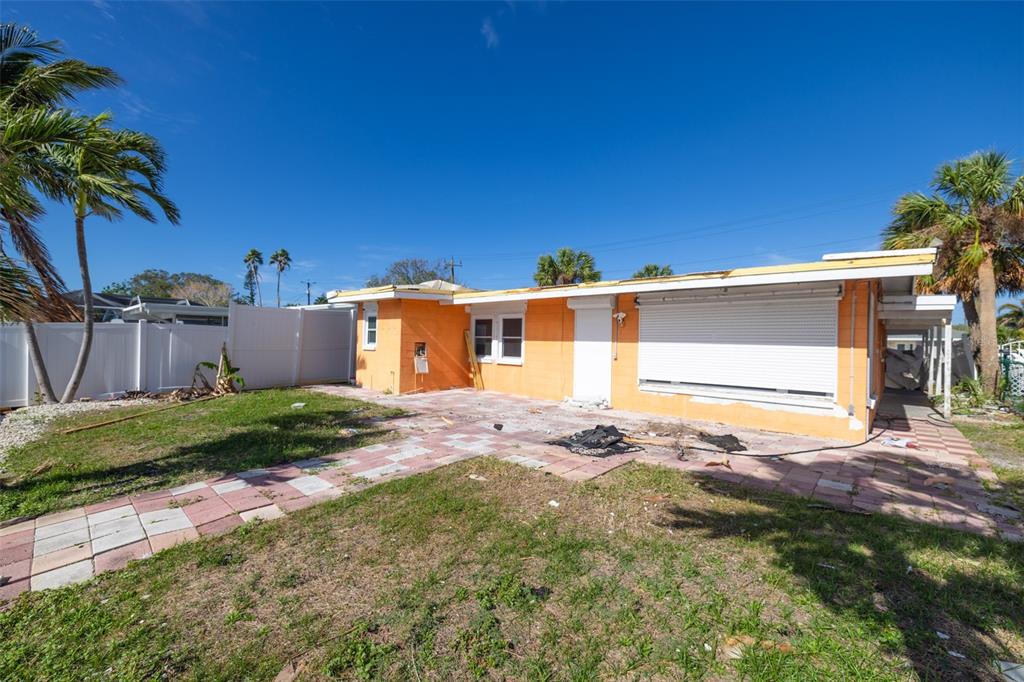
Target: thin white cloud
[[489, 33], [104, 8]]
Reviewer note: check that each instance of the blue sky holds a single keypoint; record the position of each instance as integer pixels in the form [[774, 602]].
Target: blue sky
[[704, 136]]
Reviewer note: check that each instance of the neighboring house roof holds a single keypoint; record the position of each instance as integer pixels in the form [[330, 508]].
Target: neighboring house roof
[[162, 310], [833, 267], [123, 301]]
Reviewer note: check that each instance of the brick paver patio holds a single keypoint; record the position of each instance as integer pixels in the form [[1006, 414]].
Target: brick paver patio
[[942, 482]]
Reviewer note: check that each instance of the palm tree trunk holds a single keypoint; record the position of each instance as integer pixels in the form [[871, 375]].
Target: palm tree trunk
[[38, 366], [988, 344], [86, 347], [278, 288], [971, 315]]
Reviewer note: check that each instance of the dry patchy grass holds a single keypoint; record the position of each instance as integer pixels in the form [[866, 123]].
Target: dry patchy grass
[[641, 573]]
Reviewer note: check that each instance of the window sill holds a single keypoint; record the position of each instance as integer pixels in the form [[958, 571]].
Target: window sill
[[822, 403], [510, 361], [373, 347]]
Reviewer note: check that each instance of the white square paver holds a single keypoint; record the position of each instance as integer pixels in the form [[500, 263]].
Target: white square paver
[[189, 488], [347, 461], [229, 486], [376, 448], [62, 541], [452, 459], [308, 485], [527, 462], [111, 515], [382, 471], [61, 528], [399, 456], [267, 513], [65, 575], [164, 521], [253, 473], [117, 533]]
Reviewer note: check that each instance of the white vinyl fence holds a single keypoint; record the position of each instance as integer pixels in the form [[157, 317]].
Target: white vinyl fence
[[270, 346]]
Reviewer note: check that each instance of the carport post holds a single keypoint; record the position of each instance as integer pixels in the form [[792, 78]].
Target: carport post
[[947, 369]]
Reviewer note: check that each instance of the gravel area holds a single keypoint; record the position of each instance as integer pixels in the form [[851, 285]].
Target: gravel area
[[27, 424]]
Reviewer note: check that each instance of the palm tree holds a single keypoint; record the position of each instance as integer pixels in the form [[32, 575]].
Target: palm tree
[[565, 267], [653, 270], [253, 260], [977, 212], [1012, 315], [281, 261], [34, 85], [107, 172]]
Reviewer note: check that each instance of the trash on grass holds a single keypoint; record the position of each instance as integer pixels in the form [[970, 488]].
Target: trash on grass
[[941, 635], [553, 503], [477, 477], [298, 406]]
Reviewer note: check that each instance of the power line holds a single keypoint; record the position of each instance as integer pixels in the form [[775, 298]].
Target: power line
[[450, 263], [308, 284], [709, 229]]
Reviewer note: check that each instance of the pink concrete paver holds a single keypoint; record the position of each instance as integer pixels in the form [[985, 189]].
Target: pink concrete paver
[[56, 549]]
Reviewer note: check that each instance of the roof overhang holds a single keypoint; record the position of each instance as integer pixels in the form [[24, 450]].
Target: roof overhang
[[916, 313], [825, 271], [833, 268], [358, 296]]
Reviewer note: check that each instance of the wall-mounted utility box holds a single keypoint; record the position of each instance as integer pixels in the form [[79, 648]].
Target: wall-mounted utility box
[[420, 358]]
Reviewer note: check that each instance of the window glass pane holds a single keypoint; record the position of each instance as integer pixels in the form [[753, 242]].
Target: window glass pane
[[483, 346], [484, 327], [371, 336], [512, 348], [512, 326]]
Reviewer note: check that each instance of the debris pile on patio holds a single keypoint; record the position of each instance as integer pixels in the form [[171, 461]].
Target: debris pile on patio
[[600, 441]]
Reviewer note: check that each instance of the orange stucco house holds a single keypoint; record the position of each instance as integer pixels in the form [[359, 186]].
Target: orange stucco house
[[791, 348]]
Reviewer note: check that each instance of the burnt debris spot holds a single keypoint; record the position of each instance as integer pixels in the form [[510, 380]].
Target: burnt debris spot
[[601, 441]]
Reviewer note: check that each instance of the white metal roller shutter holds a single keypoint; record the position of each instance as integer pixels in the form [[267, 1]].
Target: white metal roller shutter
[[776, 345]]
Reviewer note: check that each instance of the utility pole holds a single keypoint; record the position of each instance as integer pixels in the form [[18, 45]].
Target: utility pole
[[452, 264], [308, 285]]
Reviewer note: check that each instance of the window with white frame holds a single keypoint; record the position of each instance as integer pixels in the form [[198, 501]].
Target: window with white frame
[[498, 338], [483, 337], [511, 348], [370, 326]]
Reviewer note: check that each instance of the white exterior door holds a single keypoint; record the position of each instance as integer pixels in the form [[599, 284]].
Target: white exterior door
[[592, 350]]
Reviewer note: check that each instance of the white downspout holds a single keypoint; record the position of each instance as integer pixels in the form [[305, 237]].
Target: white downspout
[[853, 340], [947, 370]]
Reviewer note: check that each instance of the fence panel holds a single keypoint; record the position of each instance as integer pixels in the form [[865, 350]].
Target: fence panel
[[270, 346], [327, 346], [13, 365], [174, 350], [265, 345]]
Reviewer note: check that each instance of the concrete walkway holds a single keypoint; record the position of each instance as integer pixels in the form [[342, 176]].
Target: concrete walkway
[[450, 426]]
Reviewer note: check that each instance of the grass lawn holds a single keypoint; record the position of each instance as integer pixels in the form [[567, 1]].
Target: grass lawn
[[638, 574], [1002, 444], [186, 444]]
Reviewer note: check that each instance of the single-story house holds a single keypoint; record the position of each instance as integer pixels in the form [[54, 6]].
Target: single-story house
[[794, 348], [122, 308]]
